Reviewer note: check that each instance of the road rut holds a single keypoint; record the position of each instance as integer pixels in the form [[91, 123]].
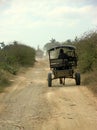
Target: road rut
[[29, 104]]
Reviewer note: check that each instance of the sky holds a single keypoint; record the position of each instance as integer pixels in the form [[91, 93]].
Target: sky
[[36, 22]]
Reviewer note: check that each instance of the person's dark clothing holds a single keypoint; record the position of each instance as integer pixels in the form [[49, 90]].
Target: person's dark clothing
[[62, 55]]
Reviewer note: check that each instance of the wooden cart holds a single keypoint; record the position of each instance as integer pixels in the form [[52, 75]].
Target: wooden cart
[[65, 67]]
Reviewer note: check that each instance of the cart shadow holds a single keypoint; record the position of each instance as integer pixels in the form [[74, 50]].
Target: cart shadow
[[66, 85]]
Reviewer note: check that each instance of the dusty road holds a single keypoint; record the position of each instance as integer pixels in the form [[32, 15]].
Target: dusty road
[[30, 105]]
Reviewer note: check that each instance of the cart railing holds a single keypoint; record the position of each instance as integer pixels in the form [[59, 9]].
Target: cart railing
[[55, 63]]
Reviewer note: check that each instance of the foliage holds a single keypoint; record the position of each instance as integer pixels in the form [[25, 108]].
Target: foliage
[[19, 54], [4, 80], [14, 56], [87, 51], [67, 42], [51, 44], [90, 80]]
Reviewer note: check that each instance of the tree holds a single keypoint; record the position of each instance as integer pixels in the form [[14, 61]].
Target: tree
[[2, 44], [53, 41], [51, 44]]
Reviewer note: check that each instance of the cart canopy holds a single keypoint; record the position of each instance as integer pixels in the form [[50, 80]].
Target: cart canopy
[[62, 46]]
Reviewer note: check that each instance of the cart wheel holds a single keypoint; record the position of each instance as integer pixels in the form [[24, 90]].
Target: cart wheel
[[49, 79], [77, 78]]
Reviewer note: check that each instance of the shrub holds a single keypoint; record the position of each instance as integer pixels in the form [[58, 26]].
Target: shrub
[[20, 54], [12, 57], [4, 81], [87, 52], [15, 55]]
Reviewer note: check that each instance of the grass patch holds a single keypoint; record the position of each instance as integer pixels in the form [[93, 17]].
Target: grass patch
[[4, 80], [90, 80]]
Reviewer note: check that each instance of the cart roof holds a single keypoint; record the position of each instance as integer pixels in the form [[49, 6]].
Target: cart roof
[[63, 46]]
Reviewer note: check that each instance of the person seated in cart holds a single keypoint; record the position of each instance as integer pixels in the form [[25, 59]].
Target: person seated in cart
[[62, 55]]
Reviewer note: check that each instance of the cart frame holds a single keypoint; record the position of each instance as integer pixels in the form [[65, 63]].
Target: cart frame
[[63, 68]]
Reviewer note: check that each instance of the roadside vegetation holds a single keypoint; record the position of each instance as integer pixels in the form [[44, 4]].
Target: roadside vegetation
[[12, 58], [87, 53]]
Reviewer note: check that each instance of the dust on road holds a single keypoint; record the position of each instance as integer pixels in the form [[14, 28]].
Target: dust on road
[[31, 105]]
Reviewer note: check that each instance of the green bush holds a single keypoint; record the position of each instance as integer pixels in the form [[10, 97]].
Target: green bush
[[20, 54], [15, 55], [87, 52], [4, 80]]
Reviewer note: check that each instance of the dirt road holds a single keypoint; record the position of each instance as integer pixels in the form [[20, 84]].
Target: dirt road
[[30, 105]]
